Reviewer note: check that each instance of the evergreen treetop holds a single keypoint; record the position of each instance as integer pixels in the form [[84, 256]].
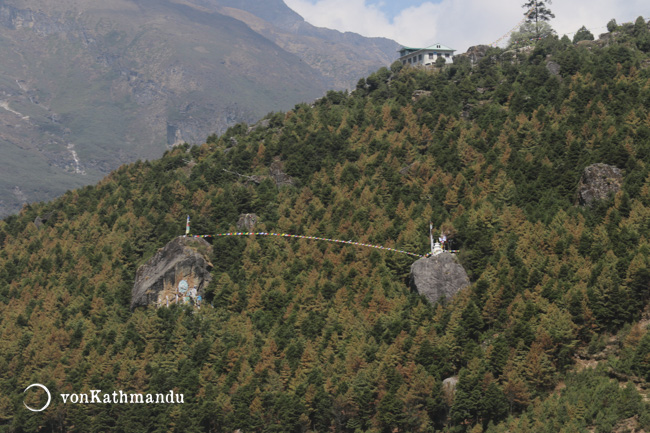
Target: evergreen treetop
[[583, 35], [536, 12]]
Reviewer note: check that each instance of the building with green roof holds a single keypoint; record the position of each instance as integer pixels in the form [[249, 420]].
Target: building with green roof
[[426, 56]]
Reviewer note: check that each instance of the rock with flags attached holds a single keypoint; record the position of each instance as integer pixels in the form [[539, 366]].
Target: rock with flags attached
[[438, 276], [183, 262]]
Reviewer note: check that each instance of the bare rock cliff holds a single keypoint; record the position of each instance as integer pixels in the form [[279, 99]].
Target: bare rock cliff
[[438, 277], [181, 259]]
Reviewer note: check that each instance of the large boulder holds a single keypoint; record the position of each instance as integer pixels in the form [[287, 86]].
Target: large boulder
[[184, 258], [438, 277], [449, 386], [598, 182]]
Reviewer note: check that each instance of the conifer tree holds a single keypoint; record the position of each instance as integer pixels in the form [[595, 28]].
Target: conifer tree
[[539, 13], [583, 35]]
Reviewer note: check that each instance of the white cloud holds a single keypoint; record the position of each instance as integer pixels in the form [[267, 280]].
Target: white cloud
[[344, 15], [461, 23]]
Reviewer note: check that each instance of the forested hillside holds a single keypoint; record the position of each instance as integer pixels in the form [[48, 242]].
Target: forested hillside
[[299, 335]]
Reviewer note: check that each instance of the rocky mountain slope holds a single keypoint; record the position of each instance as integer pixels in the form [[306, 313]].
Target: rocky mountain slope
[[88, 85]]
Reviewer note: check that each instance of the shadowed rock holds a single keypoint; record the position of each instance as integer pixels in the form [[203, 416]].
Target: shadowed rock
[[181, 259], [438, 277]]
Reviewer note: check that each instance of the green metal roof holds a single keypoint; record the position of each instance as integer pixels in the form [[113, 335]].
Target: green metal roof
[[439, 47], [431, 47]]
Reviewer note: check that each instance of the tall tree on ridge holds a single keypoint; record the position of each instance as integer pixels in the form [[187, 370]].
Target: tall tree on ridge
[[539, 13]]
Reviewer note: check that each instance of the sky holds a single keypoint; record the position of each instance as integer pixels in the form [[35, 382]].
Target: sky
[[459, 24]]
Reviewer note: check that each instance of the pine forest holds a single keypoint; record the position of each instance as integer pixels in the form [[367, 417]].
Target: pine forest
[[299, 335]]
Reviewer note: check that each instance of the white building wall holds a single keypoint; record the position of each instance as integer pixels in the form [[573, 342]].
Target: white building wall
[[415, 57]]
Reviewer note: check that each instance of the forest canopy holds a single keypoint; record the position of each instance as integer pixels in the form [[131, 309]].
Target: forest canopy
[[300, 336]]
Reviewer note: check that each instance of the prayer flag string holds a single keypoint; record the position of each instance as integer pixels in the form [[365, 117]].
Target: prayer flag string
[[316, 238]]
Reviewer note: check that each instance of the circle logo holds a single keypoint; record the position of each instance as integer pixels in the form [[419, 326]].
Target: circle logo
[[49, 397]]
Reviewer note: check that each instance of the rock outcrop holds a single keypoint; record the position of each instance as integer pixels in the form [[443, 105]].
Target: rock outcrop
[[276, 171], [553, 67], [438, 277], [184, 258], [408, 169], [247, 221], [449, 388], [476, 53], [419, 94], [588, 44], [598, 182], [40, 220]]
